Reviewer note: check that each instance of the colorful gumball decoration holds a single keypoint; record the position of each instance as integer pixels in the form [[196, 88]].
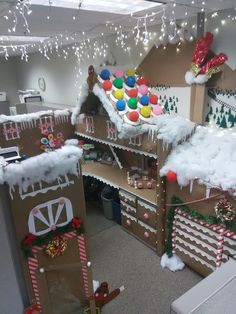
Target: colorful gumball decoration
[[120, 105], [132, 93], [144, 100], [119, 73], [142, 81], [157, 110], [130, 81], [118, 82], [130, 72], [107, 85], [134, 116], [171, 176], [119, 94], [105, 74], [132, 102], [145, 111], [143, 89], [153, 99]]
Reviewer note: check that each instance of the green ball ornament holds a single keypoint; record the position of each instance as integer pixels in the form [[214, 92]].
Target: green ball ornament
[[132, 102], [118, 83]]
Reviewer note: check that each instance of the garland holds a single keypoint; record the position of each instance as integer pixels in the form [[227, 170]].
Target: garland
[[170, 219], [31, 240]]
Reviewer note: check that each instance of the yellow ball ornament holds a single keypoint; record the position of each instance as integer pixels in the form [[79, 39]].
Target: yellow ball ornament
[[145, 111], [119, 94], [130, 72]]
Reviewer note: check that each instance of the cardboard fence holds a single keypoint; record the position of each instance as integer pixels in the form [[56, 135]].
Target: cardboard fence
[[199, 236], [36, 132], [48, 211]]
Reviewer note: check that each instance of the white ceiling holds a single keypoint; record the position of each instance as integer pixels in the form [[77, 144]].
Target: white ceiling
[[93, 22]]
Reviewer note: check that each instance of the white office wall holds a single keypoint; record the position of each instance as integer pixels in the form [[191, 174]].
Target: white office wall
[[8, 81]]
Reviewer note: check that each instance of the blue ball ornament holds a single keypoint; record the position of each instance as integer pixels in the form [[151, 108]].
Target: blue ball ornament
[[144, 100], [130, 81], [105, 74], [120, 105]]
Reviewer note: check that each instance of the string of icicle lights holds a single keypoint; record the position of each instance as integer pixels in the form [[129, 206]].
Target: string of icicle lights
[[138, 29]]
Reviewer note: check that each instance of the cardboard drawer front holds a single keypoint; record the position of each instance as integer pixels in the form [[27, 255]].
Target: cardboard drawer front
[[147, 233], [146, 213], [128, 209], [129, 222], [127, 198]]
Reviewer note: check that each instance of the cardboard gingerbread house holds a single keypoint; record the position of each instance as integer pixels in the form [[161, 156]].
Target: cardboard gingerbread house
[[48, 212], [37, 132]]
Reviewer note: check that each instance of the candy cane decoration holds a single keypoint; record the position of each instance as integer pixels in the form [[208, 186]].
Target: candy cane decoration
[[83, 257], [220, 248], [33, 265], [33, 268]]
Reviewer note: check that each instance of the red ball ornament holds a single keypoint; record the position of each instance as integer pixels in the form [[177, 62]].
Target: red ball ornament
[[133, 93], [142, 81], [134, 116], [153, 99], [171, 176], [107, 85]]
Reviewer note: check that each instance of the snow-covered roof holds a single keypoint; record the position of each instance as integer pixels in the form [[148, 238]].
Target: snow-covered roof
[[45, 167], [171, 128], [209, 156], [20, 118]]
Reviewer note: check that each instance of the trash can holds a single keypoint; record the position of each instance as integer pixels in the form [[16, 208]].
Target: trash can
[[117, 211], [108, 195]]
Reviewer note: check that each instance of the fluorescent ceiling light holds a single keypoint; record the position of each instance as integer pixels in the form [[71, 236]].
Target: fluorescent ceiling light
[[110, 6], [21, 39]]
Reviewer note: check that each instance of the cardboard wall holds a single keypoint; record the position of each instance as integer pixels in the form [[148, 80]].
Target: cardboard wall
[[61, 286], [27, 135]]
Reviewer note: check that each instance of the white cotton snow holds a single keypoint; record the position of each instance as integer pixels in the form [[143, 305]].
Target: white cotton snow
[[33, 116], [199, 79], [76, 111], [173, 263], [209, 156], [45, 167], [72, 141], [173, 128]]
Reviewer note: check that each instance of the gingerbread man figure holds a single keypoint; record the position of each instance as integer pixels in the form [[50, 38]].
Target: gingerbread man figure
[[92, 78]]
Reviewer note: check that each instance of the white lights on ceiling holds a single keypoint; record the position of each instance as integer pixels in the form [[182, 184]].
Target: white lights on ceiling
[[21, 39], [110, 6]]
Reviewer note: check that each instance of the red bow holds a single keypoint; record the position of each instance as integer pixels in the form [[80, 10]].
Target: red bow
[[76, 223], [29, 239]]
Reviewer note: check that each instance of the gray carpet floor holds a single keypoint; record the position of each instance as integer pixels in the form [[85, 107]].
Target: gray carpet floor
[[120, 259]]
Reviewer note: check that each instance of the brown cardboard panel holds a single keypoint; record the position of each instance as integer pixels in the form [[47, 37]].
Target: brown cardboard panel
[[197, 108], [117, 176], [204, 207], [226, 79], [128, 208], [198, 267], [166, 66], [100, 132], [147, 216], [27, 137], [152, 236], [49, 282], [128, 224]]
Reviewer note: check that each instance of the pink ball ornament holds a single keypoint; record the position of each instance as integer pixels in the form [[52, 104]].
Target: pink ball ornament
[[128, 222], [146, 235], [143, 89], [119, 73], [157, 110], [145, 216]]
